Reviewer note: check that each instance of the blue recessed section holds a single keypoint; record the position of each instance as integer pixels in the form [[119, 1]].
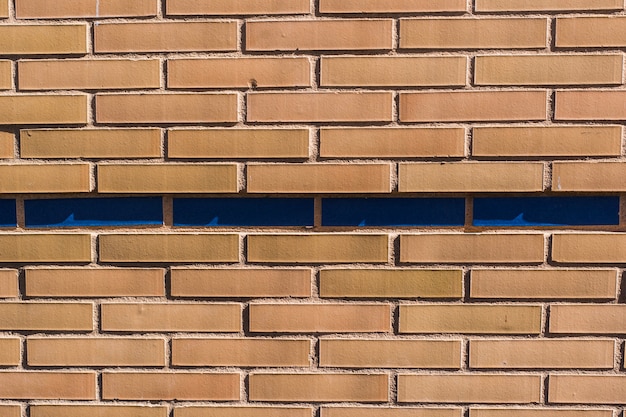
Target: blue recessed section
[[243, 212], [71, 212], [546, 211], [8, 217], [393, 212]]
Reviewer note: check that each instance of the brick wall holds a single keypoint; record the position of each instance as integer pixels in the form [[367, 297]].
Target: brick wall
[[312, 208]]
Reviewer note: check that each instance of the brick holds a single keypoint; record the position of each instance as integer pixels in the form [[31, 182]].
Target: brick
[[587, 319], [373, 71], [391, 412], [237, 411], [10, 354], [8, 284], [241, 7], [474, 318], [375, 142], [544, 354], [6, 75], [4, 11], [48, 385], [44, 178], [240, 352], [165, 37], [55, 248], [546, 5], [587, 389], [42, 39], [472, 248], [170, 386], [319, 178], [42, 9], [320, 318], [238, 143], [600, 31], [146, 317], [90, 74], [503, 141], [7, 145], [539, 412], [452, 388], [238, 283], [238, 72], [46, 316], [169, 248], [166, 108], [95, 352], [320, 107], [473, 106], [398, 6], [66, 410], [90, 143], [588, 176], [167, 178], [544, 284], [36, 109], [317, 248], [346, 353], [589, 105], [10, 411], [464, 33], [319, 35], [589, 248], [319, 387], [390, 283]]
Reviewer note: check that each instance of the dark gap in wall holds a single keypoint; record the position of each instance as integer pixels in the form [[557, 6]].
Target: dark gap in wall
[[8, 213]]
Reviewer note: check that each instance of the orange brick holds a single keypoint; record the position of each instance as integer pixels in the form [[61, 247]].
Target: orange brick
[[317, 248], [169, 248], [238, 143], [502, 141], [165, 37], [44, 178], [240, 352], [90, 143], [320, 318], [43, 39], [453, 388], [589, 248], [588, 176], [48, 385], [391, 283], [347, 353], [166, 108], [539, 412], [10, 354], [29, 109], [7, 145], [238, 72], [398, 6], [240, 7], [10, 411], [46, 316], [8, 284], [320, 107], [544, 283], [146, 317], [464, 33], [167, 178], [66, 410], [55, 248], [588, 31], [391, 412], [393, 71], [587, 389], [473, 318], [42, 9], [590, 105], [238, 411], [319, 387], [240, 282], [588, 319], [6, 75], [321, 35], [473, 106], [95, 352], [170, 386], [546, 5], [546, 353]]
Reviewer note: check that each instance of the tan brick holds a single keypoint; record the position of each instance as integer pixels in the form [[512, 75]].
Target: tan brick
[[238, 411], [166, 108], [474, 318], [145, 317], [317, 248], [90, 143], [390, 283], [319, 387], [8, 284], [589, 248], [546, 5], [391, 412], [322, 35], [464, 33], [393, 71], [169, 248], [502, 141], [320, 107], [238, 143], [346, 353], [10, 411], [56, 351], [238, 72], [397, 6], [66, 410], [587, 389], [29, 109], [48, 385], [170, 386], [591, 31], [6, 75], [4, 11], [167, 178], [240, 352], [165, 37], [588, 176], [473, 106], [240, 7], [44, 178], [384, 142], [7, 145], [55, 248], [42, 9], [240, 282], [588, 319], [10, 352], [548, 284], [320, 318], [43, 39], [590, 105], [46, 316], [452, 388], [539, 412]]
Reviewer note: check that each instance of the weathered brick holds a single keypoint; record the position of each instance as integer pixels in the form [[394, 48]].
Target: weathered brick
[[10, 352], [239, 411], [587, 389], [4, 9], [588, 176], [6, 75], [590, 105], [55, 248], [44, 178], [27, 109], [48, 385], [66, 410], [8, 284], [391, 412], [589, 248], [545, 5], [42, 9], [46, 316], [588, 319], [43, 39], [539, 412], [241, 7], [398, 6], [7, 145], [591, 31], [10, 411]]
